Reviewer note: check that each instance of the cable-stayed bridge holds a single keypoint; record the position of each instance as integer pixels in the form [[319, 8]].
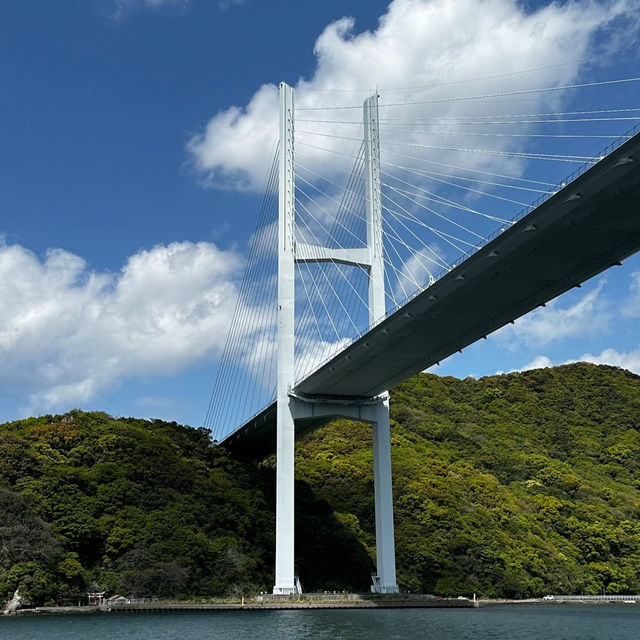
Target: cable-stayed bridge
[[386, 243]]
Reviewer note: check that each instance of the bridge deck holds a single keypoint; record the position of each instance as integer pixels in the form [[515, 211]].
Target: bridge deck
[[588, 226]]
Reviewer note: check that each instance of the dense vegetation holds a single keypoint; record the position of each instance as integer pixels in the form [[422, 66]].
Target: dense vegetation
[[90, 502], [514, 485]]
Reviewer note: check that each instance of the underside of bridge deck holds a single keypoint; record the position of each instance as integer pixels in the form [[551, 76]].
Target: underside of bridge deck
[[590, 225]]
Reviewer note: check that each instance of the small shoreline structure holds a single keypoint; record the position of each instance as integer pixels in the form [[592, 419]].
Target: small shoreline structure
[[13, 605], [604, 599]]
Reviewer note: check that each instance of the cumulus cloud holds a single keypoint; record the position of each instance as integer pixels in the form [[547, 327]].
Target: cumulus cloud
[[68, 333], [439, 44], [588, 316], [629, 360], [541, 362], [234, 148]]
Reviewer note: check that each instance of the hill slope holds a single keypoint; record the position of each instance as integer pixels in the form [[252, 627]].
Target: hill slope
[[513, 485], [145, 508]]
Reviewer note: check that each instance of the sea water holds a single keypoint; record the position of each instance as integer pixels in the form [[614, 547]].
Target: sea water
[[508, 622]]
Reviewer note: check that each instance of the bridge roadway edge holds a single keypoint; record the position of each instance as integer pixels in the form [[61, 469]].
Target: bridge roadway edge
[[588, 226]]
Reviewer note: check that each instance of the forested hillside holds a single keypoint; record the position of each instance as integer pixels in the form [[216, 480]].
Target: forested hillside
[[512, 485], [146, 508]]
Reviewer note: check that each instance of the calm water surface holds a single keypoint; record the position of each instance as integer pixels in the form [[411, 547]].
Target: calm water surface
[[569, 622]]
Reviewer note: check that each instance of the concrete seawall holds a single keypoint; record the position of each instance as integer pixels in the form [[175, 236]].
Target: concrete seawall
[[349, 601]]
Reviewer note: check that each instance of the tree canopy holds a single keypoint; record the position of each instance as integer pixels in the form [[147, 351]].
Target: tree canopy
[[513, 485]]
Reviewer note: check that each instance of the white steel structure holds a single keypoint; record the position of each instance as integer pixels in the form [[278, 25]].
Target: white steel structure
[[293, 407]]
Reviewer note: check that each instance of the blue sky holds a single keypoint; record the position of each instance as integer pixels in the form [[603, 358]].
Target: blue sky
[[129, 185]]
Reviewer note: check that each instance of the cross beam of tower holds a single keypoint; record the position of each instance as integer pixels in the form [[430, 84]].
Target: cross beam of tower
[[290, 407]]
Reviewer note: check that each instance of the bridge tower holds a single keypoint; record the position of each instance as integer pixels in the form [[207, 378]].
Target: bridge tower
[[291, 406]]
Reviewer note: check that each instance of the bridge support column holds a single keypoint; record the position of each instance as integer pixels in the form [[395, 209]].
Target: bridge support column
[[290, 407], [285, 426], [385, 581], [285, 501]]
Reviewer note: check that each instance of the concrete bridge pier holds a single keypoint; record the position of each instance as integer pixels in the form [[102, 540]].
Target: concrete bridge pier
[[306, 413], [385, 581], [285, 508]]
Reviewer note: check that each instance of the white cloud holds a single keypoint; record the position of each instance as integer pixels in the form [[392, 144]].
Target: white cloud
[[67, 332], [316, 353], [419, 269], [541, 362], [631, 307], [234, 148], [629, 360], [119, 8], [122, 6], [431, 43], [589, 316]]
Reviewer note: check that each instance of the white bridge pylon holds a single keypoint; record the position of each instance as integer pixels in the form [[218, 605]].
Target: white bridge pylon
[[290, 407]]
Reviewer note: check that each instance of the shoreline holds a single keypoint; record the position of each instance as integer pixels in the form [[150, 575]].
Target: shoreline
[[350, 601], [398, 603]]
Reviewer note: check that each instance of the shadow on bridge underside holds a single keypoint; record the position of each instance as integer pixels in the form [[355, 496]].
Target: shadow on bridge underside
[[588, 226]]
